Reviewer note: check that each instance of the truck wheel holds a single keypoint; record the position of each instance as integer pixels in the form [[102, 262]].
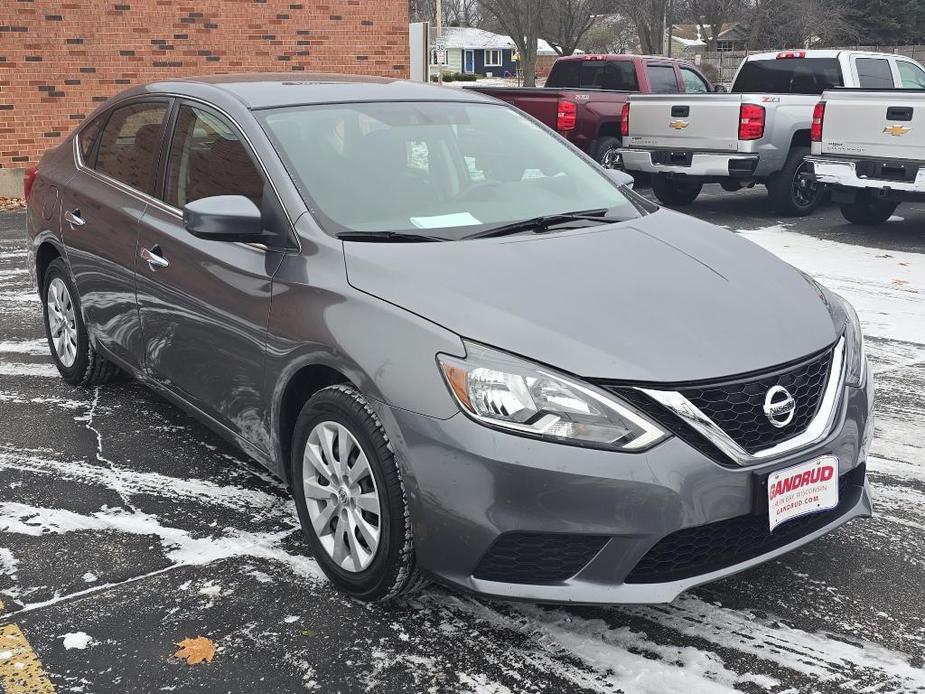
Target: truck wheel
[[731, 186], [867, 210], [675, 193], [793, 194], [607, 154]]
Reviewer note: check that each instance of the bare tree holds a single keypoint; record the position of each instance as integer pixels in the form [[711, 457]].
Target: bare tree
[[648, 16], [521, 20], [799, 24], [710, 15], [464, 13], [610, 34], [567, 21]]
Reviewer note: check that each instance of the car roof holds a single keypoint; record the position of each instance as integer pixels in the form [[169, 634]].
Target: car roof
[[274, 90]]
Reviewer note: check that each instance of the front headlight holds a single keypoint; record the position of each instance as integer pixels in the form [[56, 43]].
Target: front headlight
[[855, 353], [503, 391]]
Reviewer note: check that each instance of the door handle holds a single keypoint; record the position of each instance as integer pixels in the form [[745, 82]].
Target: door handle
[[899, 113], [73, 218], [154, 259]]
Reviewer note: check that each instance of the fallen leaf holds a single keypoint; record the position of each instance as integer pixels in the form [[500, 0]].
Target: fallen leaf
[[885, 255], [904, 264], [900, 282], [7, 204], [308, 633], [197, 650]]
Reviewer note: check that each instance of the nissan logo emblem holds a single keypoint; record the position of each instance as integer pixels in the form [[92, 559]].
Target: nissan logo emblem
[[779, 406]]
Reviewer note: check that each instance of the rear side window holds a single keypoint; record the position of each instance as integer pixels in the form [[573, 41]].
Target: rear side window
[[874, 73], [789, 76], [87, 138], [129, 142], [693, 83], [662, 79], [594, 74], [207, 157], [912, 76]]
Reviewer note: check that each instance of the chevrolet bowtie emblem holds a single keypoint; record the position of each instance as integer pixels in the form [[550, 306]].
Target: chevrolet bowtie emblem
[[896, 130], [678, 124]]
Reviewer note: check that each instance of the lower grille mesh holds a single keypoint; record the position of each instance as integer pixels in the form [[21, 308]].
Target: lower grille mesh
[[537, 558]]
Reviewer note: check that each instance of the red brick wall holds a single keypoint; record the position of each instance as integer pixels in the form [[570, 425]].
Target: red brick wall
[[59, 58]]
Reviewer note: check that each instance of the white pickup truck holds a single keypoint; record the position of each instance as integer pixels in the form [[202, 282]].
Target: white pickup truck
[[757, 133], [869, 146]]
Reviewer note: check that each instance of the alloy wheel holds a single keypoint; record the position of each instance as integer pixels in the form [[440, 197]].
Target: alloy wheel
[[805, 190], [611, 159], [341, 496], [62, 323]]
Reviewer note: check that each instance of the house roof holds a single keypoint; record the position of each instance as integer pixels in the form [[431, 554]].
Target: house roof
[[691, 35], [470, 37]]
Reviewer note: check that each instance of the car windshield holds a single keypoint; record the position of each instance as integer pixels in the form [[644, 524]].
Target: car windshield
[[437, 169]]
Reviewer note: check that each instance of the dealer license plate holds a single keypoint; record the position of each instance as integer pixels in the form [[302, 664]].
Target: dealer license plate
[[809, 487]]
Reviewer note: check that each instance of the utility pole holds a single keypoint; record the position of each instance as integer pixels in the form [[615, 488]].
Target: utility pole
[[438, 42]]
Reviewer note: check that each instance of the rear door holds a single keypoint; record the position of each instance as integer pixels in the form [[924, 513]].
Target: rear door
[[685, 121], [101, 208], [204, 304]]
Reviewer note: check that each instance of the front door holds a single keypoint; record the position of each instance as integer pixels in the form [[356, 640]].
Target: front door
[[204, 304], [468, 62], [101, 208]]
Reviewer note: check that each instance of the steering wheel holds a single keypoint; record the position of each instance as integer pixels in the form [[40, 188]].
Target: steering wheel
[[472, 191]]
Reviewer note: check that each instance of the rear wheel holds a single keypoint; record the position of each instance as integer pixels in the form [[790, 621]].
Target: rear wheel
[[350, 497], [867, 210], [793, 193], [608, 153], [673, 192], [78, 362]]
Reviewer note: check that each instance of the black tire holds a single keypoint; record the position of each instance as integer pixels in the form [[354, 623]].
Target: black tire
[[867, 210], [89, 368], [790, 193], [606, 153], [393, 571], [731, 186], [675, 193]]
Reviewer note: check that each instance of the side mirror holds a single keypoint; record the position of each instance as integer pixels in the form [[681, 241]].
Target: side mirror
[[224, 218], [621, 178], [719, 88]]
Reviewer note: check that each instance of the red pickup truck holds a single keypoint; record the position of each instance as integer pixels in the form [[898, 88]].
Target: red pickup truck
[[584, 96]]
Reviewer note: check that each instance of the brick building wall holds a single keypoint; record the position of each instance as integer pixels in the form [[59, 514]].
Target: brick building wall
[[59, 58]]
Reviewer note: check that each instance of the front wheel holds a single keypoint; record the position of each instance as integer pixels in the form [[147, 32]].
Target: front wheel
[[673, 192], [608, 153], [792, 192], [867, 210], [350, 497]]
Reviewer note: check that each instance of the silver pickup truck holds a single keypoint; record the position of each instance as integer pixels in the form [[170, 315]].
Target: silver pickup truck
[[757, 133], [869, 146]]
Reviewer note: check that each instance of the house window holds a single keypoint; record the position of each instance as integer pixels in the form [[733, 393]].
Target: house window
[[724, 45], [493, 58]]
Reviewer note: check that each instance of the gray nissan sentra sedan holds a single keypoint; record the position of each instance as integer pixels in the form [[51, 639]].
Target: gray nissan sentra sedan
[[473, 354]]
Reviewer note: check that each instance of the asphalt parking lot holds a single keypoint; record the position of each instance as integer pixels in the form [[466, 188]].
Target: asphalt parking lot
[[126, 527]]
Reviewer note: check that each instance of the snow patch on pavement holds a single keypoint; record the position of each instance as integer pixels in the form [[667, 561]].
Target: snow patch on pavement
[[77, 639]]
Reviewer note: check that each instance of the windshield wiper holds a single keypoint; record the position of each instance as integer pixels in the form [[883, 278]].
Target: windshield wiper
[[386, 237], [544, 223]]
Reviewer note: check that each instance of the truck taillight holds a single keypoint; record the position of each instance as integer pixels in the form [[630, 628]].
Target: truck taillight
[[815, 130], [751, 122], [566, 116], [625, 120], [787, 55], [28, 180]]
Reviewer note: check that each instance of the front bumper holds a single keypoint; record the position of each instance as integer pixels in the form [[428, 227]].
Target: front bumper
[[843, 172], [469, 485], [702, 165]]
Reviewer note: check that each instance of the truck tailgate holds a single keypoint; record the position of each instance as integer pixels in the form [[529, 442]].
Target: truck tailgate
[[877, 124], [685, 121]]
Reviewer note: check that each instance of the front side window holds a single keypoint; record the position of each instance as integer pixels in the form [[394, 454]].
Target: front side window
[[433, 168], [912, 76], [129, 143], [493, 58], [662, 79], [207, 157], [693, 83], [874, 73]]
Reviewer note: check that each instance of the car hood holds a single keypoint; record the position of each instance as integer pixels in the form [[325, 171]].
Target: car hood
[[662, 298]]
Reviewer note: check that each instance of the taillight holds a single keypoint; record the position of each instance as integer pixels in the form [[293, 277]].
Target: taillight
[[815, 130], [625, 120], [567, 115], [28, 181], [787, 55], [751, 122]]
